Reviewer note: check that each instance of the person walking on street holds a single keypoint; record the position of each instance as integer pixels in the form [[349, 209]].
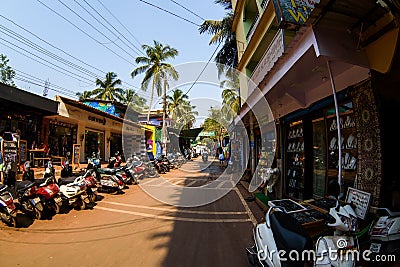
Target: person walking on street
[[221, 157]]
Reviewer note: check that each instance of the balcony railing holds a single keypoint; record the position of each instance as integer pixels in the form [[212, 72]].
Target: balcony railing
[[253, 27], [274, 51]]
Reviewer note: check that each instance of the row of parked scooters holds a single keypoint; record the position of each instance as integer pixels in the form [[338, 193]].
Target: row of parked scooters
[[47, 196]]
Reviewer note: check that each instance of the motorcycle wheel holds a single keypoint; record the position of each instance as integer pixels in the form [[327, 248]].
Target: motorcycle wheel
[[56, 208], [152, 173], [92, 197], [38, 211], [81, 204], [8, 220]]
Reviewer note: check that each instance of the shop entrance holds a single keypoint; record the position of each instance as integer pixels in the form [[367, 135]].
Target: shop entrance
[[94, 143]]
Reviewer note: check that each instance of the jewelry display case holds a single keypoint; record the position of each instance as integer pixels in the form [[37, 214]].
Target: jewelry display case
[[348, 144], [295, 161]]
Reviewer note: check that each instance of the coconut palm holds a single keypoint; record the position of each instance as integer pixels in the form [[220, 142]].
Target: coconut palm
[[230, 96], [84, 95], [157, 71], [107, 89], [222, 32], [133, 100], [181, 110]]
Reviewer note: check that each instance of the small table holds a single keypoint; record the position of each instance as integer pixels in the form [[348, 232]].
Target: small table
[[37, 155]]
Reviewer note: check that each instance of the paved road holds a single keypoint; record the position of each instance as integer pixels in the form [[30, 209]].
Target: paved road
[[134, 229]]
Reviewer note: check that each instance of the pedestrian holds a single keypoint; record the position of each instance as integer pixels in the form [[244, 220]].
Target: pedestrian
[[149, 149], [221, 157]]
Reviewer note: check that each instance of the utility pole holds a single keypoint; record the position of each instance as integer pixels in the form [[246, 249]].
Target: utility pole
[[164, 127]]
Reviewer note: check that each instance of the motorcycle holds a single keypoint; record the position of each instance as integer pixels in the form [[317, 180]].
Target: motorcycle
[[8, 210], [28, 201], [160, 166], [116, 161], [74, 194], [343, 219], [105, 177], [140, 169], [88, 178], [66, 168], [276, 238], [385, 233], [49, 194]]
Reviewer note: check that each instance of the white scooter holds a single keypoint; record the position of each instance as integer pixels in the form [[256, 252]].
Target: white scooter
[[277, 240], [341, 249], [385, 233], [74, 194]]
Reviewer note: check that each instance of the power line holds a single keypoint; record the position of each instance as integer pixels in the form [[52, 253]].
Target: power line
[[169, 12], [85, 32], [120, 22], [31, 42], [138, 49], [59, 49], [70, 9], [36, 47], [87, 11], [187, 9], [49, 66], [208, 62]]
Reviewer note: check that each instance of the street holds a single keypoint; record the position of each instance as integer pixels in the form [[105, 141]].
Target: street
[[134, 229]]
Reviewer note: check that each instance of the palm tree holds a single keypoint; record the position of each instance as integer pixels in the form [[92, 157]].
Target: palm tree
[[133, 100], [230, 95], [180, 109], [157, 71], [221, 30], [107, 89], [84, 95]]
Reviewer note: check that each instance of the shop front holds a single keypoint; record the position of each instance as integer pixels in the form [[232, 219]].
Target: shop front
[[91, 131]]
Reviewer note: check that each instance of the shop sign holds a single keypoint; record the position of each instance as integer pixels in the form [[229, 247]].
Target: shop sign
[[10, 151], [293, 12], [99, 120]]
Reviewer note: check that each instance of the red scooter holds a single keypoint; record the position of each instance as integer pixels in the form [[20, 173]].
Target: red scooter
[[49, 193]]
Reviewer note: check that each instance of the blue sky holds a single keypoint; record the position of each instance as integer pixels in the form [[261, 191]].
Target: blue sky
[[93, 55]]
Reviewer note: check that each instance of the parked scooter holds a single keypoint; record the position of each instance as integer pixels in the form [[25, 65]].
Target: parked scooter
[[74, 194], [343, 220], [49, 193], [115, 161], [8, 210], [385, 233], [88, 178], [280, 232], [28, 201], [108, 182]]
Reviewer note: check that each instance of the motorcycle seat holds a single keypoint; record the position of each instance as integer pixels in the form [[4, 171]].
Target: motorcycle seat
[[288, 233], [107, 171], [19, 185], [65, 180]]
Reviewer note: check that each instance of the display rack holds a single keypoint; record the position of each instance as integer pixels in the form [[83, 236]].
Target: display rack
[[295, 161], [348, 144]]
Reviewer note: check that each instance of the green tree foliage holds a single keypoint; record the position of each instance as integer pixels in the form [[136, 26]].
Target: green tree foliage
[[156, 70], [134, 101], [107, 89], [216, 122], [7, 73], [221, 31], [180, 110]]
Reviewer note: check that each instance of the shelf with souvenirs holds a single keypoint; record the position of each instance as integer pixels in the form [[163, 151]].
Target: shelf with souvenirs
[[295, 161]]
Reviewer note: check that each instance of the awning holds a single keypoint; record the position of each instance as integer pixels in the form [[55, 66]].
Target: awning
[[191, 133], [31, 101]]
